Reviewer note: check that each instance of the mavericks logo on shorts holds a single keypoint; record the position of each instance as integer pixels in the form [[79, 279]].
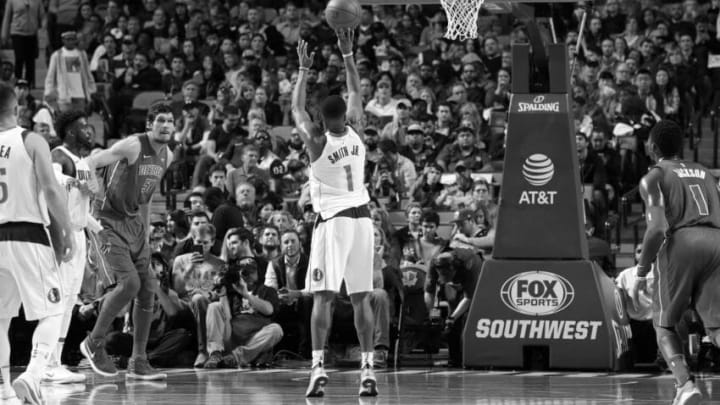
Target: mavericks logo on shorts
[[53, 295], [317, 275]]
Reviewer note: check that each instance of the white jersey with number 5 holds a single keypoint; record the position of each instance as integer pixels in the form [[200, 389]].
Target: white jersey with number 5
[[21, 199], [337, 176]]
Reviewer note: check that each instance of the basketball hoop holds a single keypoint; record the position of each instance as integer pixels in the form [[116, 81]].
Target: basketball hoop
[[462, 18]]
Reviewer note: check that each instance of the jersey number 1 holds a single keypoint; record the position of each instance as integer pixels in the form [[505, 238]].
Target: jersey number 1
[[348, 174], [3, 187], [699, 198]]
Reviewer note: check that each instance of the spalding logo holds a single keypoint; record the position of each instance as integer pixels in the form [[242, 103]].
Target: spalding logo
[[537, 293], [538, 169], [538, 99]]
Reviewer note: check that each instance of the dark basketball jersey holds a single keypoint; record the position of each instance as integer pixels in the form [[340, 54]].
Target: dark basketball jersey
[[127, 186], [691, 195]]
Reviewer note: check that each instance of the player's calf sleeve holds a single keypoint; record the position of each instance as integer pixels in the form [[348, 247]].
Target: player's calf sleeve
[[44, 339], [142, 320], [671, 349]]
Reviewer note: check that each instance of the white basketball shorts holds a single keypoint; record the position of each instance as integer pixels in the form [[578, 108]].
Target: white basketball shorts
[[341, 248], [29, 274], [73, 272]]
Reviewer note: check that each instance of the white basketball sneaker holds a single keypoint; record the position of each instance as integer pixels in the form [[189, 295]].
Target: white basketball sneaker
[[368, 382], [61, 375], [318, 380], [688, 394]]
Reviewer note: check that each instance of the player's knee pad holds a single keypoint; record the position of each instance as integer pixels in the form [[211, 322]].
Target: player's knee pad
[[714, 335]]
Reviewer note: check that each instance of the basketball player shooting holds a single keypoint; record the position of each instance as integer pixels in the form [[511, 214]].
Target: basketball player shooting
[[683, 239], [342, 241], [73, 174], [30, 197], [132, 169]]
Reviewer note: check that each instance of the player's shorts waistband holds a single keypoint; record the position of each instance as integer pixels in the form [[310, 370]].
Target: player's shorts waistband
[[362, 211], [24, 232]]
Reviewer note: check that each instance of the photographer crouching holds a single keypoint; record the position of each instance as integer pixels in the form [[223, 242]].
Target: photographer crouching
[[240, 325], [452, 278]]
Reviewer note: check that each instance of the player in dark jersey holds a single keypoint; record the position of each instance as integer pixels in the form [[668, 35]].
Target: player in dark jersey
[[133, 168], [683, 241]]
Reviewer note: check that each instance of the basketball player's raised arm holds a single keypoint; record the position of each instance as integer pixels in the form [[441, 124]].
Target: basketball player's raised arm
[[309, 132], [56, 199], [346, 38]]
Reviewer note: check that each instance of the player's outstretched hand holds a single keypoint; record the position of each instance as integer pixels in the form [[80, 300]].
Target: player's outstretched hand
[[640, 287], [346, 38], [305, 60]]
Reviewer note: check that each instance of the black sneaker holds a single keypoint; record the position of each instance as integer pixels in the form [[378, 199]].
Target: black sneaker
[[98, 358], [140, 369], [229, 361], [214, 360]]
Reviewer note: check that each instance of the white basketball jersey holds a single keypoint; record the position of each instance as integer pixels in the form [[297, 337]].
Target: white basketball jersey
[[78, 203], [337, 177], [21, 199]]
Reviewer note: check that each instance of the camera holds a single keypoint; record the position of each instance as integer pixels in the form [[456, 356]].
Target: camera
[[229, 277]]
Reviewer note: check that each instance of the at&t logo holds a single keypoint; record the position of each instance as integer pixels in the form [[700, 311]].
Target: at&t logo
[[537, 293], [538, 170]]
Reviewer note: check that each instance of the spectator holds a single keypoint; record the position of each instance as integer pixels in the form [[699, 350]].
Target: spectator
[[21, 22], [171, 339], [193, 278], [249, 171], [218, 140], [592, 169], [463, 150], [239, 243], [405, 236], [386, 184], [69, 79], [197, 219], [474, 231], [269, 240], [427, 188], [243, 315], [402, 167], [217, 177], [286, 274], [172, 81], [415, 149]]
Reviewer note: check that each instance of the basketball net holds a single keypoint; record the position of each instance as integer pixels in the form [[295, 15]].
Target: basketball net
[[462, 18]]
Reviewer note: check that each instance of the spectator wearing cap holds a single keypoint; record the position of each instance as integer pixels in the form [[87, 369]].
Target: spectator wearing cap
[[383, 105], [69, 80], [403, 168], [241, 321], [453, 277], [414, 148], [396, 129], [474, 231], [463, 149], [194, 274], [427, 188], [21, 22]]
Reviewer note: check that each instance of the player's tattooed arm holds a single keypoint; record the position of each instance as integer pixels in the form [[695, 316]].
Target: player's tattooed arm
[[309, 132], [657, 223]]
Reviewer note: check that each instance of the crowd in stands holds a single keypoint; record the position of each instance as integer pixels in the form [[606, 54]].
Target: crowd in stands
[[434, 128]]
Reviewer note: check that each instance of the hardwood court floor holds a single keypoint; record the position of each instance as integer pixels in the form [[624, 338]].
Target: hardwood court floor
[[407, 386]]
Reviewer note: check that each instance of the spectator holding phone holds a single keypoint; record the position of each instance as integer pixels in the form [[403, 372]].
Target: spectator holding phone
[[194, 275]]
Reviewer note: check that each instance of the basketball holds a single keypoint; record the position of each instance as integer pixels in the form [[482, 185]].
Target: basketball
[[343, 14]]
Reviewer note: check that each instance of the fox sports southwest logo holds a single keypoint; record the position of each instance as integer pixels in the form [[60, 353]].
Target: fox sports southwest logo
[[537, 293], [538, 170]]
